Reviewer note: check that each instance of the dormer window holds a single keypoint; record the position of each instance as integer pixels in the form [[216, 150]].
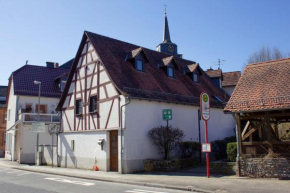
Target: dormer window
[[139, 65], [195, 77], [62, 85], [170, 71]]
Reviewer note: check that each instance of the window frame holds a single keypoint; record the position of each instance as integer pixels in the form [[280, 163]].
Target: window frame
[[197, 77], [173, 72], [62, 85], [93, 109], [136, 65], [78, 108]]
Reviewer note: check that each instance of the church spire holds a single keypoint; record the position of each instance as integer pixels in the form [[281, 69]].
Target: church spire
[[166, 34], [166, 46]]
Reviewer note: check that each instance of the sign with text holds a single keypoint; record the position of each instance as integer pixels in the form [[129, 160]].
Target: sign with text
[[206, 147], [38, 127], [204, 106], [167, 114]]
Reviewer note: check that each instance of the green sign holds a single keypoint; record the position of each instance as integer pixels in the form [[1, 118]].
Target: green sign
[[167, 114]]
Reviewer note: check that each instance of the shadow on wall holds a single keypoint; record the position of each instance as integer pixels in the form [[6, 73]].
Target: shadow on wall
[[69, 154]]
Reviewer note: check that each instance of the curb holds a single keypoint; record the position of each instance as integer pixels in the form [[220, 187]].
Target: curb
[[188, 188]]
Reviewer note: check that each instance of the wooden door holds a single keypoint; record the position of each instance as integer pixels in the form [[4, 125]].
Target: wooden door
[[114, 151]]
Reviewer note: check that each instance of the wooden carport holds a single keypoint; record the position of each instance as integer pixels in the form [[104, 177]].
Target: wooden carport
[[261, 106]]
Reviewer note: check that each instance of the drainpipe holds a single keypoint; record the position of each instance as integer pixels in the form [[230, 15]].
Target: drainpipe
[[121, 122]]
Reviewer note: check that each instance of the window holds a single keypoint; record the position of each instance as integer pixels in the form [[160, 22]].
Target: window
[[139, 65], [5, 117], [62, 85], [195, 77], [170, 72], [42, 109], [79, 107], [93, 103]]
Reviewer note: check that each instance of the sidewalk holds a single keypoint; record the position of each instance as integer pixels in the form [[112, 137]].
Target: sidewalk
[[172, 180]]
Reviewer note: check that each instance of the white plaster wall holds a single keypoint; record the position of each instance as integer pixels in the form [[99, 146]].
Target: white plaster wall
[[11, 107], [141, 116], [86, 150], [229, 89], [28, 141]]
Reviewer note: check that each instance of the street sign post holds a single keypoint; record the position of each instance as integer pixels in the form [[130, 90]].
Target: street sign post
[[38, 127], [205, 115]]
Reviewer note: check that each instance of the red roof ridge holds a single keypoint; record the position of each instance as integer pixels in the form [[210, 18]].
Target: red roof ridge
[[267, 62]]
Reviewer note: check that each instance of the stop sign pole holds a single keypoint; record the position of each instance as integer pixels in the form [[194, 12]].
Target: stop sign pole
[[205, 115]]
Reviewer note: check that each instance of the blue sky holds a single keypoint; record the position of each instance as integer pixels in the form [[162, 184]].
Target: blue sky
[[204, 30]]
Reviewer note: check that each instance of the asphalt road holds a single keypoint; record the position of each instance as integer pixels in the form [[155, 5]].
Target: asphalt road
[[18, 181]]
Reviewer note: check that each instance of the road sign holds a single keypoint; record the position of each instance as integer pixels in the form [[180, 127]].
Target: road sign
[[38, 127], [167, 114], [206, 147], [205, 106]]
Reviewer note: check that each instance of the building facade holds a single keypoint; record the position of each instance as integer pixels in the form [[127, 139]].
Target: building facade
[[22, 108], [115, 94], [3, 115]]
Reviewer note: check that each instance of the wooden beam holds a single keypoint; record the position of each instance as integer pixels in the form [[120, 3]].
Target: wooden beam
[[262, 115], [253, 130], [246, 128], [266, 143], [238, 121]]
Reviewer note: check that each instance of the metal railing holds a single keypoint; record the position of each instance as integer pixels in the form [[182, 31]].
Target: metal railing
[[33, 117]]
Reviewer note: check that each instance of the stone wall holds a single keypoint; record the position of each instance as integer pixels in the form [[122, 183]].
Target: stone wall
[[224, 168], [168, 165], [265, 167]]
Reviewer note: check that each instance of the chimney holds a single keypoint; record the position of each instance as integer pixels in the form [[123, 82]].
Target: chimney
[[56, 65], [50, 64]]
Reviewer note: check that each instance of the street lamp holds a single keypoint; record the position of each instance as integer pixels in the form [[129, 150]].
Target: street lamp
[[37, 135]]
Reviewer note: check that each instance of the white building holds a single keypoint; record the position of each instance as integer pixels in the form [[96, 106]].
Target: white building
[[22, 109], [115, 94]]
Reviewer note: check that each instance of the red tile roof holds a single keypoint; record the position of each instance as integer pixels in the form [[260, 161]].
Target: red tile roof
[[214, 73], [231, 78], [154, 83], [262, 86]]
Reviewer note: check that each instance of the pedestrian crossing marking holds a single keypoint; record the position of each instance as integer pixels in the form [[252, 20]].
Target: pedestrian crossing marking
[[70, 181], [142, 191]]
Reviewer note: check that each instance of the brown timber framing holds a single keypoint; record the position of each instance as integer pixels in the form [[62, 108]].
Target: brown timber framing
[[90, 91], [238, 120], [108, 118]]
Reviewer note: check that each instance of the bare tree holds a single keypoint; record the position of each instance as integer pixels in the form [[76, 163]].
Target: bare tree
[[266, 54], [166, 139]]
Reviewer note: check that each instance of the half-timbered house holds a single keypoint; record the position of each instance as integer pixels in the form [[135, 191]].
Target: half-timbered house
[[115, 94]]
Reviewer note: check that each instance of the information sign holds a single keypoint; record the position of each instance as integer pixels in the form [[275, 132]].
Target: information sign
[[167, 114], [38, 127]]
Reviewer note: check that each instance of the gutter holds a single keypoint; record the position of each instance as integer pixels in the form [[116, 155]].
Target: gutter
[[121, 122]]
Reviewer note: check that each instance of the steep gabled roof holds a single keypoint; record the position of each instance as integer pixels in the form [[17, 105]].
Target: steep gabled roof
[[67, 65], [154, 83], [24, 77], [262, 86], [231, 78]]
